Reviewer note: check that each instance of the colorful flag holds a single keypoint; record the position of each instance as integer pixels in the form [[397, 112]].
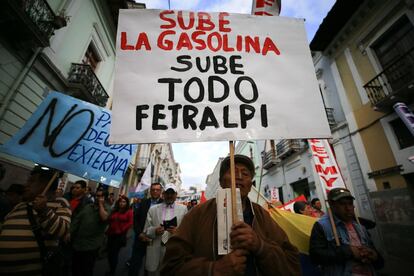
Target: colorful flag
[[297, 227], [203, 197], [145, 182], [289, 206]]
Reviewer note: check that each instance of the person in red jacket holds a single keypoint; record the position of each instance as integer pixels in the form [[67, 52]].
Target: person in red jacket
[[120, 221]]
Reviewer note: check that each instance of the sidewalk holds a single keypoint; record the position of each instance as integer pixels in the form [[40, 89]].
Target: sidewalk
[[101, 265]]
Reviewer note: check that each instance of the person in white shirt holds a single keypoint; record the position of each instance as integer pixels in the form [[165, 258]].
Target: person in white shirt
[[162, 222]]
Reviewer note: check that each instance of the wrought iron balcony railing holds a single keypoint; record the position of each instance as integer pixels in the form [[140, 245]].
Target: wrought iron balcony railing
[[41, 15], [330, 116], [287, 147], [395, 83], [84, 75], [269, 160], [29, 20], [141, 164]]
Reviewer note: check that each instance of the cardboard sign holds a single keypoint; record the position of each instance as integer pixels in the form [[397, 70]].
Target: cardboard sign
[[325, 165], [225, 218], [72, 135], [274, 194], [197, 76]]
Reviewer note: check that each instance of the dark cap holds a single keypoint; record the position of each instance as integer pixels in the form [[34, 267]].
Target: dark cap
[[338, 193], [238, 158], [45, 174]]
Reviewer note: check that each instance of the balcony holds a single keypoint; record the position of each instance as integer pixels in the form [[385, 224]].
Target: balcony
[[330, 116], [394, 84], [29, 23], [143, 162], [82, 78], [287, 147], [269, 160]]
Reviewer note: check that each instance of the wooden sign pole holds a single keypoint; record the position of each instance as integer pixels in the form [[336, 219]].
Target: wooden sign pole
[[335, 232], [233, 183], [55, 175], [261, 173]]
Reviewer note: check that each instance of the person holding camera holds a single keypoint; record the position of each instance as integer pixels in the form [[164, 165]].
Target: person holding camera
[[162, 222]]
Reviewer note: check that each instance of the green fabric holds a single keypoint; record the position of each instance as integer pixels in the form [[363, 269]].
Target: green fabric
[[87, 229]]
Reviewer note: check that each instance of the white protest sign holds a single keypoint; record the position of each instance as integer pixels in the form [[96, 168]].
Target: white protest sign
[[225, 218], [325, 165], [197, 76], [274, 194]]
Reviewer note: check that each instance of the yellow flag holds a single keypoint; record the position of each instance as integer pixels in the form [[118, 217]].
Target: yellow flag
[[297, 227]]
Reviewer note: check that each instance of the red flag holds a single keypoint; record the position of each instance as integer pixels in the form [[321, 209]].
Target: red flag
[[203, 197], [289, 206]]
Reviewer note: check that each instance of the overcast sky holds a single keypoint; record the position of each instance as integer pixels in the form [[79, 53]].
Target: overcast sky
[[197, 160]]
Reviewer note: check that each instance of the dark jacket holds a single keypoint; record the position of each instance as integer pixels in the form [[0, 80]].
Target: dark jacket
[[337, 260], [83, 202], [192, 250], [140, 215]]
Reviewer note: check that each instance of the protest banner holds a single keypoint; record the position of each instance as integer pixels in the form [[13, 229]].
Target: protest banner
[[266, 7], [325, 165], [274, 194], [71, 135], [196, 76], [405, 114]]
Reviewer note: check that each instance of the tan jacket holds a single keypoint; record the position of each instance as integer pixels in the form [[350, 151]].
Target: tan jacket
[[193, 249]]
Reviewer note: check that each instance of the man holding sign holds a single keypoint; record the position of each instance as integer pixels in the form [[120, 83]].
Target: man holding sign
[[356, 253], [31, 231], [260, 246], [213, 76]]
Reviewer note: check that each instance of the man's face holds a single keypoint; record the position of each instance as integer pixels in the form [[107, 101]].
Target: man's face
[[155, 191], [99, 195], [33, 187], [317, 205], [77, 190], [169, 196], [343, 209], [307, 211], [243, 179]]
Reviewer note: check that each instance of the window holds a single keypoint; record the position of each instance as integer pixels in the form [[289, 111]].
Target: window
[[91, 57], [397, 42], [394, 43], [386, 185], [402, 133]]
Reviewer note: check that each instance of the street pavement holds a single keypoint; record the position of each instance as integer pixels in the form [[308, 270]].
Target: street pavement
[[102, 267]]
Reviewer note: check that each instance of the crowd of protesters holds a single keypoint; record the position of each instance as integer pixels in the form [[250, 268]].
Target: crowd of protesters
[[45, 231], [58, 233]]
